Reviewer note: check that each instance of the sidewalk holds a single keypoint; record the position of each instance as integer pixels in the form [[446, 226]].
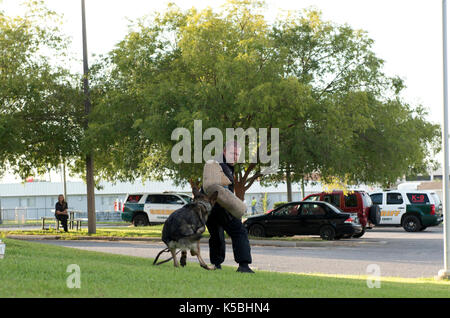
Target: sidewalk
[[342, 243]]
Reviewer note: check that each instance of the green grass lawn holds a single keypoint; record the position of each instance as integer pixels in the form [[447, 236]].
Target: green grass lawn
[[131, 231], [145, 231], [32, 269]]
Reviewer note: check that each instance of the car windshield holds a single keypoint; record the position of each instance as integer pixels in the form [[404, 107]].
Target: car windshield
[[333, 208], [313, 198], [186, 198]]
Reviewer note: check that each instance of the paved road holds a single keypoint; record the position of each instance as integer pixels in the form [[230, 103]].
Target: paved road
[[397, 252]]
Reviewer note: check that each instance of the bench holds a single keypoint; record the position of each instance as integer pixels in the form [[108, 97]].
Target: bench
[[70, 221], [45, 218], [78, 222]]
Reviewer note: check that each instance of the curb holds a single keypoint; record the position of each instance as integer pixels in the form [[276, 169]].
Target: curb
[[347, 243]]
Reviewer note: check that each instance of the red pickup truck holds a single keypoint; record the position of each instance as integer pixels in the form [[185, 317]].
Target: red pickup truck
[[355, 202]]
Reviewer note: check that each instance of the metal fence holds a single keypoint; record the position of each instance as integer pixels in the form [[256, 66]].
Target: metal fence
[[101, 216], [32, 216]]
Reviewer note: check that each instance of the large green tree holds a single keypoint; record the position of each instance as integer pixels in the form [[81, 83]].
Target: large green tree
[[39, 101], [346, 136], [319, 83]]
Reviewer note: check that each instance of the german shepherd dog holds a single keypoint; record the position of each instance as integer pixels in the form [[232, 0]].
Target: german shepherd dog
[[185, 226]]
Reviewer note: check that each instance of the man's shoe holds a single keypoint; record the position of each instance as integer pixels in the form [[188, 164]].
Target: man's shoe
[[245, 269], [217, 266]]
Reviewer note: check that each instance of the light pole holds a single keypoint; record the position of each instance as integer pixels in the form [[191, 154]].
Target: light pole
[[445, 273], [87, 110]]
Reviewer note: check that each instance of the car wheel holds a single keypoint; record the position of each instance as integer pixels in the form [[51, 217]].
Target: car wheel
[[359, 234], [257, 231], [411, 223], [375, 214], [140, 220], [327, 232]]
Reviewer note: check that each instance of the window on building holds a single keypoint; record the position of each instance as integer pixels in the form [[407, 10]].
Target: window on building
[[27, 202]]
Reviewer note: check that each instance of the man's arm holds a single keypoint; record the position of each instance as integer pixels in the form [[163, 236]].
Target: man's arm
[[58, 212], [65, 209]]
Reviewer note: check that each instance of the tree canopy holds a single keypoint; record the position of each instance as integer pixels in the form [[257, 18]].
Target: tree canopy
[[320, 83], [40, 108]]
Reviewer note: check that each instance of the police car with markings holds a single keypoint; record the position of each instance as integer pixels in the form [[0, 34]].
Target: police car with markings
[[414, 210], [143, 209]]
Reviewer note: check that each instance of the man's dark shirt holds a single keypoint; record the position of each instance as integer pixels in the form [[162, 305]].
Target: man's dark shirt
[[229, 172]]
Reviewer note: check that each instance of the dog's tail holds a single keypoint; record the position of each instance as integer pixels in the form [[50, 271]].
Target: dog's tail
[[159, 254]]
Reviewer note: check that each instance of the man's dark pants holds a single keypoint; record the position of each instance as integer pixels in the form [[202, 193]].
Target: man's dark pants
[[221, 220], [63, 219]]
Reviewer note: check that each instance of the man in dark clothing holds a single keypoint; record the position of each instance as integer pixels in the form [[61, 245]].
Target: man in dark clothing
[[220, 220], [61, 211]]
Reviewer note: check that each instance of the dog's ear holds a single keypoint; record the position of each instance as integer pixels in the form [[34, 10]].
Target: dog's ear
[[213, 197], [195, 192]]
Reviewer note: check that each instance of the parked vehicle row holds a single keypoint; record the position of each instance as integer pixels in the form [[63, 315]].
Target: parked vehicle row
[[332, 215]]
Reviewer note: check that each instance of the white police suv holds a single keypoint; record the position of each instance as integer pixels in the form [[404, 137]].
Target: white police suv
[[143, 209]]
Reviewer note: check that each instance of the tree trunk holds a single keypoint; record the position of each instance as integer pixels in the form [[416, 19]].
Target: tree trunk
[[90, 194], [87, 109], [243, 181], [239, 189], [303, 187]]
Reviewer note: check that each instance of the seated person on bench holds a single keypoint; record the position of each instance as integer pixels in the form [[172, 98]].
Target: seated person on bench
[[61, 213]]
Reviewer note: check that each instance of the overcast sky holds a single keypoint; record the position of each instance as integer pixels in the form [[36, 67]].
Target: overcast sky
[[407, 34]]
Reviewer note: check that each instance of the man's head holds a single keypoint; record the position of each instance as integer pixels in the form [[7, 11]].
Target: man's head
[[232, 151]]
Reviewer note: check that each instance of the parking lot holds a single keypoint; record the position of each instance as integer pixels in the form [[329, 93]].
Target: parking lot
[[395, 251]]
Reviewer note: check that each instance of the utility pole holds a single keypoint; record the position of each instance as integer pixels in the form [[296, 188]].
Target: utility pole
[[87, 109], [445, 273], [64, 179]]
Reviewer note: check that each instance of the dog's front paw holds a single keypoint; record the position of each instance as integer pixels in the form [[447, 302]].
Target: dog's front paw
[[209, 268]]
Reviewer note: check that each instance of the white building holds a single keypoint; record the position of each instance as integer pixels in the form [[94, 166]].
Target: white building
[[39, 198]]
